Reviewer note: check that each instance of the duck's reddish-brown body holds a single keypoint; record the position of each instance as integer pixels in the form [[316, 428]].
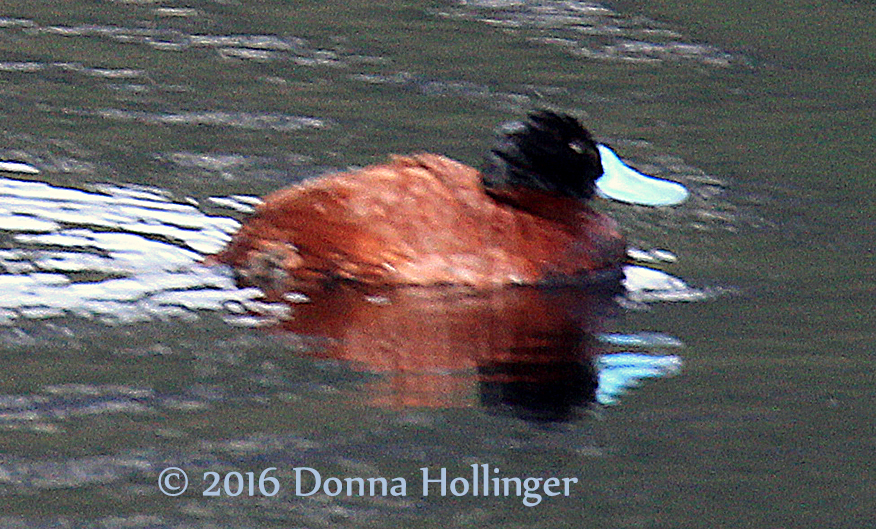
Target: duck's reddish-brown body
[[420, 220]]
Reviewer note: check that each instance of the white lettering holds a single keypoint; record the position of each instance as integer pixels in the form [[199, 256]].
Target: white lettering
[[382, 481], [566, 482], [316, 477], [551, 482], [360, 482], [338, 487], [508, 481], [399, 489], [442, 481], [464, 486], [531, 485]]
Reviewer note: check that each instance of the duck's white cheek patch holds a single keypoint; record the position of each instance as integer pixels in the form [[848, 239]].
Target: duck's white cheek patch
[[623, 183]]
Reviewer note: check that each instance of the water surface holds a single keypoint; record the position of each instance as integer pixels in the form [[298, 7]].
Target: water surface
[[154, 125]]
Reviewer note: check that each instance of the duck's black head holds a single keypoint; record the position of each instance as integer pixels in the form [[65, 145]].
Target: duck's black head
[[549, 152]]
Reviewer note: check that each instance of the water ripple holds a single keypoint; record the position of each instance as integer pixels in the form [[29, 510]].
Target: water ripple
[[590, 30], [120, 254], [254, 47], [242, 120]]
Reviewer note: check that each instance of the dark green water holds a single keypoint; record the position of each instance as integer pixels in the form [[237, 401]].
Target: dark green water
[[765, 111]]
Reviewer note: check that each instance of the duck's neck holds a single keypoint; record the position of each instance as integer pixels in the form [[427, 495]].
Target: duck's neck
[[539, 203]]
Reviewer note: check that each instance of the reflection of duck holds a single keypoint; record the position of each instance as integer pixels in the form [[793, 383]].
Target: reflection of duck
[[428, 220], [524, 350]]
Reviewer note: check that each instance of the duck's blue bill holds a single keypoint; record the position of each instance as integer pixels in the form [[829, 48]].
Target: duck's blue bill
[[623, 183]]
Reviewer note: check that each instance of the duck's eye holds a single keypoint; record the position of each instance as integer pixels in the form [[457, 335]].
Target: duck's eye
[[577, 147]]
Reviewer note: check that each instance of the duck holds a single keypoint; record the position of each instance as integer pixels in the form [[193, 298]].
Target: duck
[[426, 220]]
